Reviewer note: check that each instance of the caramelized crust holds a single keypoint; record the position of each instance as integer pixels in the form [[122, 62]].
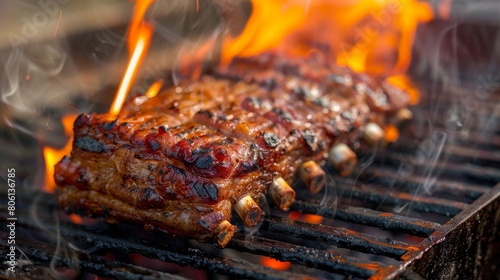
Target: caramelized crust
[[178, 162]]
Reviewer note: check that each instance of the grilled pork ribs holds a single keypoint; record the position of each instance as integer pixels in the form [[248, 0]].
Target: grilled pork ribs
[[182, 161]]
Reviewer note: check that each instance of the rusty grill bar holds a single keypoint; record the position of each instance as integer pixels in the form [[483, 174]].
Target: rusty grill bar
[[345, 244]]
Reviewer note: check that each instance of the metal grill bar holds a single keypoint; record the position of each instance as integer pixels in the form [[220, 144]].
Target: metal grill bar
[[104, 240], [340, 237], [321, 259], [43, 254], [444, 186], [369, 217], [479, 139], [446, 168], [461, 152], [456, 242], [380, 194], [305, 244]]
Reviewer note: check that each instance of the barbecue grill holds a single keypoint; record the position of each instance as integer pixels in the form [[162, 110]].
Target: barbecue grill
[[381, 223], [424, 207]]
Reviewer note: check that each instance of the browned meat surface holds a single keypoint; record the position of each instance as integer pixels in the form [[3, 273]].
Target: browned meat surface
[[181, 161]]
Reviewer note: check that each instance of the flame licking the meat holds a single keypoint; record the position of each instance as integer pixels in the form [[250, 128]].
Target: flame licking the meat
[[138, 40], [370, 36], [373, 36], [53, 155]]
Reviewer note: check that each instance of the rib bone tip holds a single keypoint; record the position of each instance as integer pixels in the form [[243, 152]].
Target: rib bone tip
[[313, 176], [224, 232], [343, 159], [403, 115], [373, 133], [282, 194], [248, 210]]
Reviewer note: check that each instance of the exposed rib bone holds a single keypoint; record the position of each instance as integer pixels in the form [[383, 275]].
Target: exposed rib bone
[[372, 133], [313, 176], [248, 210], [282, 194], [224, 232], [343, 159], [403, 115]]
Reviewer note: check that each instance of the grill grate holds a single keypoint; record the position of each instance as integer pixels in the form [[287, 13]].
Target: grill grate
[[396, 216]]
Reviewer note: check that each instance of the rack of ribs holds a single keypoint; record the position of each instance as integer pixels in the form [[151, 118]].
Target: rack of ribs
[[182, 161]]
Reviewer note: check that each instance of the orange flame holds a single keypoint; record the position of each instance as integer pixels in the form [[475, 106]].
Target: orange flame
[[138, 39], [53, 155], [374, 36], [369, 36], [154, 88], [268, 24], [404, 83]]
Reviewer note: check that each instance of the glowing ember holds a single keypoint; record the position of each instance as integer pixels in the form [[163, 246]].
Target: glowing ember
[[52, 155], [391, 133], [313, 219], [275, 264], [138, 39], [310, 218], [294, 215], [76, 219]]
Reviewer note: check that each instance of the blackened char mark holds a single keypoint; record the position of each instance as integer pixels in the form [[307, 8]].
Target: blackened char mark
[[90, 144], [269, 83], [81, 120], [282, 114], [206, 113], [206, 190], [109, 125], [149, 198], [178, 183], [348, 117], [154, 145], [312, 141], [252, 102], [209, 161], [251, 164], [204, 162], [271, 139]]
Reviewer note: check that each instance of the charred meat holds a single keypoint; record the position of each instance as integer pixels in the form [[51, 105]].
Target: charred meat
[[182, 161]]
